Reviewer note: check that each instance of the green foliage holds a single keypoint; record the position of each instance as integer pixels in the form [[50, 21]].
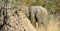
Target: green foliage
[[11, 4], [53, 6], [28, 2]]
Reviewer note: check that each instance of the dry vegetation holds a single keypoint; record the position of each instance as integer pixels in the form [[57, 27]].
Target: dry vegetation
[[52, 23]]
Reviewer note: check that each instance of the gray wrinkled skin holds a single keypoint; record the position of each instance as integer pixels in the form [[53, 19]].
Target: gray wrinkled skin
[[38, 14]]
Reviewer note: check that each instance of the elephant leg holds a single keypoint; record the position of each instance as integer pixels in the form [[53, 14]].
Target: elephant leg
[[32, 18], [39, 18]]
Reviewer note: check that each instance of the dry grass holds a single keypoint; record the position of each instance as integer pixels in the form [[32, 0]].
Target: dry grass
[[53, 24]]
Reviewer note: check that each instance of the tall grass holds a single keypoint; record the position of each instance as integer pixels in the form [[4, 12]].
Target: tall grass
[[52, 24]]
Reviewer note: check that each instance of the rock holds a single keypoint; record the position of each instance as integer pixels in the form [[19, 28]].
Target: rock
[[17, 21]]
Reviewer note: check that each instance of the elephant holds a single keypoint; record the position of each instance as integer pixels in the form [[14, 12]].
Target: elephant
[[38, 14], [35, 14]]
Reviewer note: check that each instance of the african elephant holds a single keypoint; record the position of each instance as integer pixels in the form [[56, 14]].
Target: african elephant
[[35, 14], [38, 14]]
